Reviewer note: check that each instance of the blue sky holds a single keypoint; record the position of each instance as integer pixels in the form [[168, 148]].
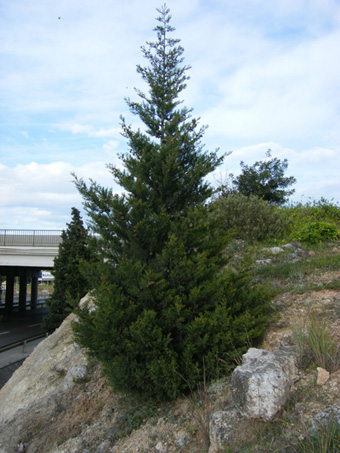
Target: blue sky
[[265, 74]]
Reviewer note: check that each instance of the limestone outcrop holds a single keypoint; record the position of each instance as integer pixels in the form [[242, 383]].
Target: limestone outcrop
[[260, 387], [29, 399]]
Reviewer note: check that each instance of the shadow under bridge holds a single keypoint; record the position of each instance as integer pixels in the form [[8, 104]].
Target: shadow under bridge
[[24, 254]]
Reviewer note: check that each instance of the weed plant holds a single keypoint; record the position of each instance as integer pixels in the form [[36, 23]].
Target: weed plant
[[323, 438], [202, 408], [316, 344]]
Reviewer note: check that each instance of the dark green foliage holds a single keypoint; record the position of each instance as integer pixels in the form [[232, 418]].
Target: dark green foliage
[[70, 280], [250, 218], [266, 180], [186, 326], [165, 310], [316, 232]]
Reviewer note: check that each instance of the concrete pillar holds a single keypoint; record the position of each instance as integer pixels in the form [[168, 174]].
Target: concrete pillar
[[9, 293], [34, 293], [22, 292]]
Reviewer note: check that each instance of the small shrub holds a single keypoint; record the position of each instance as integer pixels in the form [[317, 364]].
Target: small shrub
[[250, 218], [317, 232]]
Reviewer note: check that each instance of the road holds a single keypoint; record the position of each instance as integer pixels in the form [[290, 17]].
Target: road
[[19, 326], [17, 355]]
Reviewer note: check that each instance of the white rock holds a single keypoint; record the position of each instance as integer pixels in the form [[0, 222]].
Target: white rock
[[261, 385], [323, 376], [161, 448], [263, 262], [274, 250]]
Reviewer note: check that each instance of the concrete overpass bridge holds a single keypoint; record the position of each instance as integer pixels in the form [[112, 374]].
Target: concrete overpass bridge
[[24, 254]]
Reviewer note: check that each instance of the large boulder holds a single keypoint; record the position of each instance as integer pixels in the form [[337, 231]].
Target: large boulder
[[260, 387]]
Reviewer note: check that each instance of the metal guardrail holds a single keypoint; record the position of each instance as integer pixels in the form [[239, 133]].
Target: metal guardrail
[[7, 347], [30, 238], [41, 302]]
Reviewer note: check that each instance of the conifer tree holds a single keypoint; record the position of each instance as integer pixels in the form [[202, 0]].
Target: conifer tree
[[164, 309], [70, 280]]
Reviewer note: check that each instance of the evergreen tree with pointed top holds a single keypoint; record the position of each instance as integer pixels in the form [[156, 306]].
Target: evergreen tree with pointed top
[[165, 310], [70, 280]]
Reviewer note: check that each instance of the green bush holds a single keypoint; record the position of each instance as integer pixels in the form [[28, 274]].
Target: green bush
[[250, 218], [324, 210], [301, 214], [317, 232]]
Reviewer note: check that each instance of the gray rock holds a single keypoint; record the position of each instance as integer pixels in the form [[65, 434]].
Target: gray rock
[[222, 426], [263, 262], [261, 385], [322, 418], [75, 374], [183, 441], [104, 447], [288, 247], [275, 250], [161, 448]]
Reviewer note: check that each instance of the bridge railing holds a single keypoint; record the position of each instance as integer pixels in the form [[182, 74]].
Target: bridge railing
[[30, 238]]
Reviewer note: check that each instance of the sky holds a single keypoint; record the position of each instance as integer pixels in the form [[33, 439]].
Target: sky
[[264, 75]]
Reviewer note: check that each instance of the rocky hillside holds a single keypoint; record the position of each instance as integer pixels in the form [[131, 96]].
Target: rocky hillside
[[59, 400]]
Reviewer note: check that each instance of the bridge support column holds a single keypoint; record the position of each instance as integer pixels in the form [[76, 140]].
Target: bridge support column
[[22, 291], [9, 293], [34, 293]]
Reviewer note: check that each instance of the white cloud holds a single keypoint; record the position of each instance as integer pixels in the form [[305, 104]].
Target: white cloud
[[315, 169], [90, 130], [264, 75], [110, 147], [35, 195], [285, 94]]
